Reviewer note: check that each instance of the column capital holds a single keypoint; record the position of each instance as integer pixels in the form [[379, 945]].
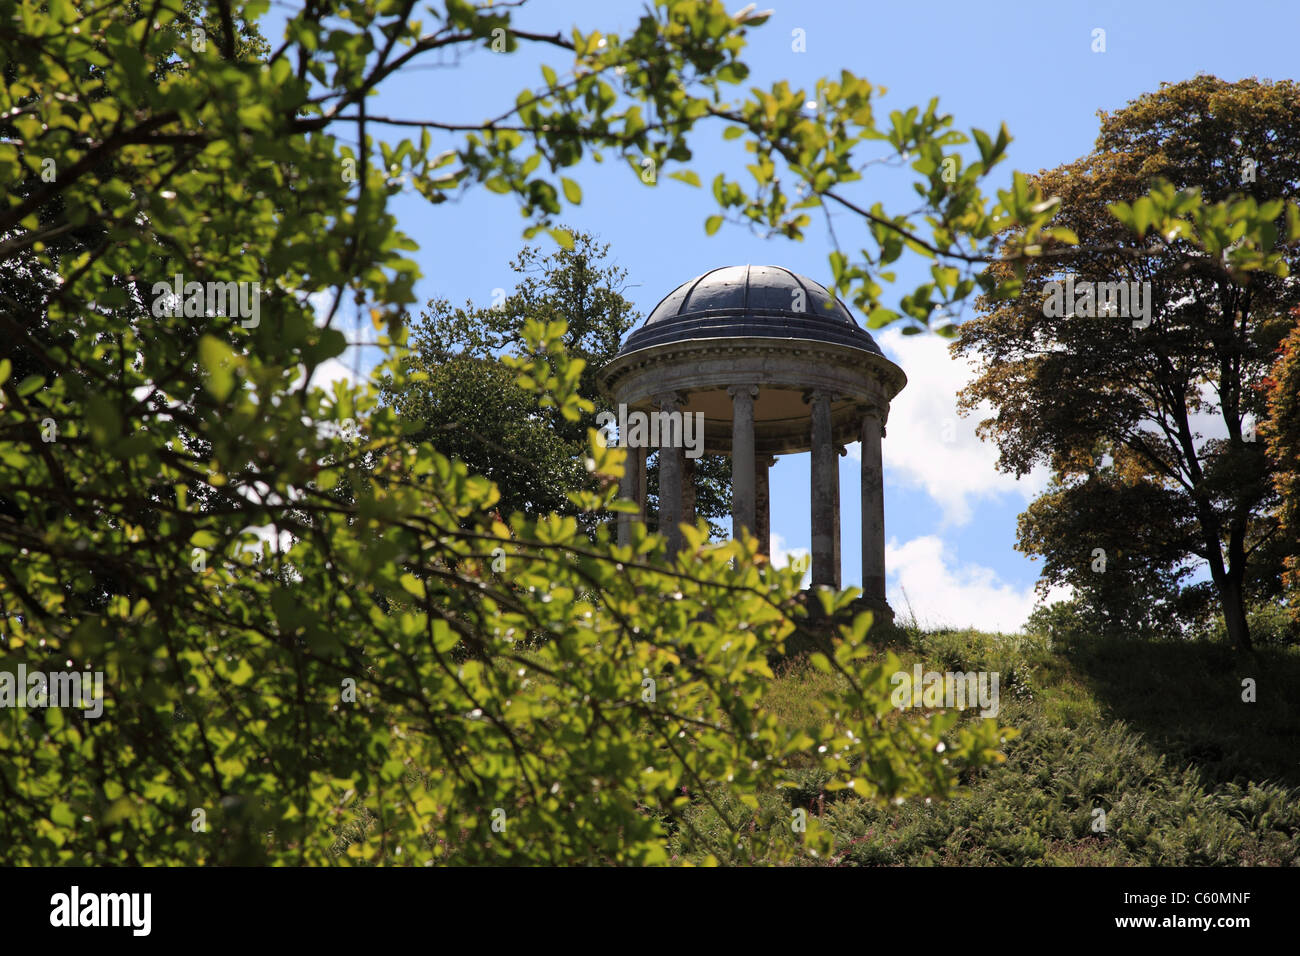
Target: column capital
[[813, 395], [668, 401], [735, 391], [871, 411]]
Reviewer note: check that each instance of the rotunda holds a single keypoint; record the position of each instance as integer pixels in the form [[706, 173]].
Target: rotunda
[[772, 364]]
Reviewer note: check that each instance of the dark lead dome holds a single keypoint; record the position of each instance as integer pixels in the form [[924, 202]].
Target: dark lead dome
[[750, 301]]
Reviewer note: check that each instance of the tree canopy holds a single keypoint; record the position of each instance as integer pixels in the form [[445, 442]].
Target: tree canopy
[[1120, 404], [1282, 432], [459, 394]]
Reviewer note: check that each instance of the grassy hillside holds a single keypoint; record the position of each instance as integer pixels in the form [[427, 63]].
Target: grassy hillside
[[1155, 735]]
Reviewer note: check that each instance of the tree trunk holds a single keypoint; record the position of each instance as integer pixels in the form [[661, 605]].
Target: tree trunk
[[1234, 604], [1227, 578], [1232, 599]]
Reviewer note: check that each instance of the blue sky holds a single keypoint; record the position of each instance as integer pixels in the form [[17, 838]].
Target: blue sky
[[950, 517]]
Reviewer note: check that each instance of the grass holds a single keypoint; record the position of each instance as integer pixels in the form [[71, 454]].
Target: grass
[[1130, 754]]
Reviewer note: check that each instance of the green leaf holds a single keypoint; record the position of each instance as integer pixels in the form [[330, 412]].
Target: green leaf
[[61, 815], [242, 674], [218, 362], [104, 421]]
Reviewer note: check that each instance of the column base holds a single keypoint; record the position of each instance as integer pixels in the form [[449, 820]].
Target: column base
[[817, 632], [884, 614]]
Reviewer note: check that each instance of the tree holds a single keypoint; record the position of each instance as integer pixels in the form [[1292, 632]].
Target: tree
[[458, 394], [305, 611], [467, 403], [1184, 198], [1282, 432]]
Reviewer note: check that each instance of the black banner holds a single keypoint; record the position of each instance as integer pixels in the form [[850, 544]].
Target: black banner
[[335, 906]]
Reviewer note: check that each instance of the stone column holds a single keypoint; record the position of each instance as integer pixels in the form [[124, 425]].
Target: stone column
[[825, 479], [743, 486], [873, 507], [688, 487], [840, 452], [763, 504], [641, 455], [630, 489], [670, 478]]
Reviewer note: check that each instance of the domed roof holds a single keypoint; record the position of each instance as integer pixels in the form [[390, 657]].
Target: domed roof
[[750, 301]]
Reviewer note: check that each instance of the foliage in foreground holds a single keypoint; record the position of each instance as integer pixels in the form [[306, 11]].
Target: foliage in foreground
[[645, 676], [292, 607]]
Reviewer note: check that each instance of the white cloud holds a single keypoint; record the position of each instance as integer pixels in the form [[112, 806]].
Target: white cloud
[[781, 554], [326, 374], [321, 302], [943, 593], [332, 370], [929, 444], [1208, 423], [266, 534], [336, 369]]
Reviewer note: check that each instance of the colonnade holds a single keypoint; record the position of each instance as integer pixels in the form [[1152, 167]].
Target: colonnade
[[750, 500]]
